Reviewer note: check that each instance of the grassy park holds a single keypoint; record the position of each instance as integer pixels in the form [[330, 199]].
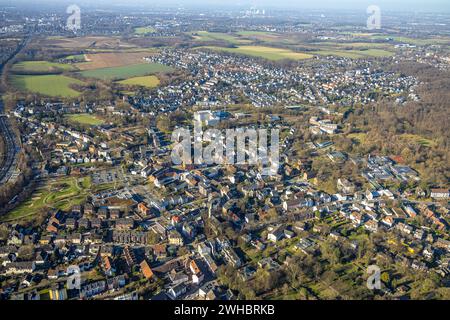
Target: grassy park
[[85, 119], [61, 193]]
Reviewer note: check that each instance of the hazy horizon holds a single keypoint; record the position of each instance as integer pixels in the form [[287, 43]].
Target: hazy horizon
[[388, 5]]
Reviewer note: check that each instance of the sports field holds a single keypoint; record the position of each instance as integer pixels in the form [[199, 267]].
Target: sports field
[[41, 67], [269, 53], [147, 81], [125, 72], [85, 119], [48, 85]]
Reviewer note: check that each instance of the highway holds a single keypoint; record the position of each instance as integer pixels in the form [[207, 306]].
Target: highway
[[12, 147]]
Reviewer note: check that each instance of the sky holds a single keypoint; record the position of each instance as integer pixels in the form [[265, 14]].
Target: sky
[[389, 5]]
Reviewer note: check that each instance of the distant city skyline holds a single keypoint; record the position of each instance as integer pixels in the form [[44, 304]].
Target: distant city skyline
[[389, 5]]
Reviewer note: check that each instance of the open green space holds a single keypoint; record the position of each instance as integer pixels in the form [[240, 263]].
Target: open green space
[[418, 139], [413, 41], [77, 58], [41, 67], [360, 137], [146, 81], [254, 33], [356, 54], [85, 119], [61, 193], [218, 36], [144, 30], [125, 72], [48, 85], [269, 53]]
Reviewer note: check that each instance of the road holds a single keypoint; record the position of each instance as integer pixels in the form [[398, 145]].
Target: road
[[12, 147]]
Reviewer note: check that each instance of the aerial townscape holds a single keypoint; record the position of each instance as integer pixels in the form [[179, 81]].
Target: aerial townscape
[[94, 207]]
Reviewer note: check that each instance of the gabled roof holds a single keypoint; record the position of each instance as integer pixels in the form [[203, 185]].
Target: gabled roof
[[146, 270]]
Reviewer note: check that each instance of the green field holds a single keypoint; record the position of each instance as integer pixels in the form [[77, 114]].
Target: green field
[[269, 53], [147, 81], [360, 137], [125, 72], [414, 41], [62, 193], [77, 58], [85, 119], [356, 54], [48, 85], [41, 66], [254, 33], [144, 30], [418, 139], [218, 36]]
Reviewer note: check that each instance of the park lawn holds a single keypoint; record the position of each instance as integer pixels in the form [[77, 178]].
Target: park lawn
[[147, 81], [269, 53], [85, 119], [61, 193], [126, 72], [360, 137], [418, 139], [41, 66], [144, 30], [48, 85]]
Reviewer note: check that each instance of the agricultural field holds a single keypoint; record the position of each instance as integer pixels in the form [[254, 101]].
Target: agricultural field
[[48, 85], [115, 43], [85, 119], [147, 81], [254, 33], [389, 38], [269, 53], [269, 37], [356, 54], [217, 36], [113, 59], [413, 41], [30, 67], [61, 193], [125, 72]]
